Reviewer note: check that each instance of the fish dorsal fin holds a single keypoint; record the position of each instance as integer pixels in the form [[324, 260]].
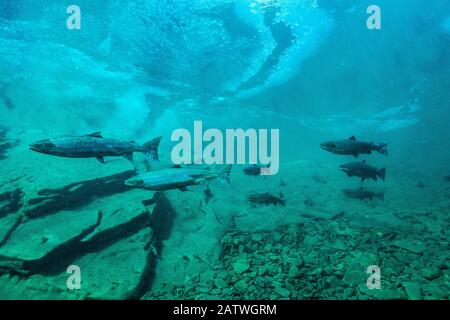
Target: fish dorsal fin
[[352, 138], [97, 134]]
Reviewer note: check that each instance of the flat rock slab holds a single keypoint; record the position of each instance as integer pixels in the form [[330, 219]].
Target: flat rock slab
[[416, 246], [34, 239], [7, 225], [194, 245], [119, 210], [118, 271], [37, 241]]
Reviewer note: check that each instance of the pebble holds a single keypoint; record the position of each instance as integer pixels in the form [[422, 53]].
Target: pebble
[[276, 284], [317, 271], [241, 285], [294, 272], [257, 237], [262, 270], [282, 292], [220, 283], [430, 273], [241, 266], [216, 291], [412, 290]]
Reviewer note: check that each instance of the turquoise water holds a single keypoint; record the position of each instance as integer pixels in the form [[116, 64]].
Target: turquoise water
[[136, 70]]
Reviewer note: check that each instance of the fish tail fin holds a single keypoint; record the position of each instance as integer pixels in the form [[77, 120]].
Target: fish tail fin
[[382, 148], [151, 148], [382, 173], [225, 174]]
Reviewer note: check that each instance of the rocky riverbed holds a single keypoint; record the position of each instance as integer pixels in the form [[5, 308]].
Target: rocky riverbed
[[322, 260]]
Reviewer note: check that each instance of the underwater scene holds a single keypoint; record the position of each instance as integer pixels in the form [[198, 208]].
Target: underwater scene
[[225, 149]]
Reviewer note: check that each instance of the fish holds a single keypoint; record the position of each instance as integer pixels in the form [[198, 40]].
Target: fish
[[94, 146], [362, 194], [363, 171], [208, 194], [177, 178], [266, 198], [253, 170], [353, 147]]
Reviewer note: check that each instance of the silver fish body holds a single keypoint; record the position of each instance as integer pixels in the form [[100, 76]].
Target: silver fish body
[[94, 146], [176, 178]]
